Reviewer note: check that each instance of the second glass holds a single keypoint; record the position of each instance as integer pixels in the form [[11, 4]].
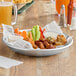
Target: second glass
[[6, 13]]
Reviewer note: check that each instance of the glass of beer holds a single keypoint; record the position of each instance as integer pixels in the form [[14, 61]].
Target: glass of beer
[[6, 13]]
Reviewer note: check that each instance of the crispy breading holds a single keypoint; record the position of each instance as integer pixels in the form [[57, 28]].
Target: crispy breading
[[61, 40]]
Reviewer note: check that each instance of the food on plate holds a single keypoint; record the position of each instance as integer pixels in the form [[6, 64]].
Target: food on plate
[[22, 1], [32, 41], [23, 34], [51, 40], [43, 44], [47, 45], [35, 33], [40, 44], [16, 31], [41, 33], [40, 38], [61, 40]]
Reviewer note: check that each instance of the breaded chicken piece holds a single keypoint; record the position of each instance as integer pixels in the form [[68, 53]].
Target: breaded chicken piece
[[61, 40]]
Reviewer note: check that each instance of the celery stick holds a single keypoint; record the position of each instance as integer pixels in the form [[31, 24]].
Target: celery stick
[[33, 33], [37, 33]]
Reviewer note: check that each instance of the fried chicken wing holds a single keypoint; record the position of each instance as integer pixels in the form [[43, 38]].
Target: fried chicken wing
[[61, 40], [39, 44], [47, 45]]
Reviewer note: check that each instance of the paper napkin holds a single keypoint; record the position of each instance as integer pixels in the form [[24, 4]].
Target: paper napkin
[[9, 35], [53, 27], [8, 63], [22, 44]]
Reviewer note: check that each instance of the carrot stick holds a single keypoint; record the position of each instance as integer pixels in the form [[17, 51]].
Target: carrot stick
[[16, 30], [23, 34]]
